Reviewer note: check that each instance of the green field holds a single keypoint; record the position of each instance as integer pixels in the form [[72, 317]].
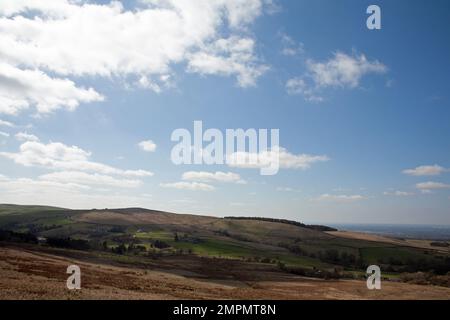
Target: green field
[[250, 240]]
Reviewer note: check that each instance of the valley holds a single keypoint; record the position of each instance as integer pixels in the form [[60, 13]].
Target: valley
[[136, 253]]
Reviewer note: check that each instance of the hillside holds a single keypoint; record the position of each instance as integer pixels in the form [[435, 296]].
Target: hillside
[[190, 244], [27, 274]]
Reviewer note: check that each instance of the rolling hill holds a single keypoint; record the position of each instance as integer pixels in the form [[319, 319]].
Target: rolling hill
[[292, 244], [238, 249]]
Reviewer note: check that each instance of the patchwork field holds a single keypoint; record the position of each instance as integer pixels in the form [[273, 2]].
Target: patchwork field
[[188, 256], [415, 243]]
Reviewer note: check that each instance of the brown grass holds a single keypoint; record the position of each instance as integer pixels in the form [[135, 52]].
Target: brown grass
[[142, 217], [29, 274]]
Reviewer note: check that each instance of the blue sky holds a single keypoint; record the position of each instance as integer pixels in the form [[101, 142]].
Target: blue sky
[[375, 102]]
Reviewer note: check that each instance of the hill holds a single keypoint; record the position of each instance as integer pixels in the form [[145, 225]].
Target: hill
[[160, 240], [28, 274]]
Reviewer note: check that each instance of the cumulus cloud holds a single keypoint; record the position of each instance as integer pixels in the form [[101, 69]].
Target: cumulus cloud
[[426, 170], [342, 198], [231, 56], [58, 156], [343, 70], [74, 39], [202, 176], [192, 186], [340, 71], [147, 146], [23, 136], [21, 88]]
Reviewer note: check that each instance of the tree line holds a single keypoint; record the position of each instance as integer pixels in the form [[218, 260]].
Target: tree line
[[285, 221]]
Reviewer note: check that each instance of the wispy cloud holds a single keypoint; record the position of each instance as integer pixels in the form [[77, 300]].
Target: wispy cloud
[[84, 178], [147, 146], [218, 176], [287, 189], [426, 170], [427, 187], [64, 194], [398, 193], [192, 186], [6, 123], [290, 47], [341, 198], [24, 136], [300, 86], [287, 160]]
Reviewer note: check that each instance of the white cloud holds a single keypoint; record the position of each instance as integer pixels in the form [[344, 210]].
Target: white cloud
[[143, 44], [146, 83], [341, 71], [263, 159], [58, 156], [427, 187], [4, 134], [287, 189], [202, 176], [67, 195], [398, 193], [290, 47], [84, 178], [192, 186], [23, 136], [6, 123], [299, 86], [287, 51], [340, 198], [231, 56], [148, 146], [23, 186], [21, 88], [427, 170], [9, 8]]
